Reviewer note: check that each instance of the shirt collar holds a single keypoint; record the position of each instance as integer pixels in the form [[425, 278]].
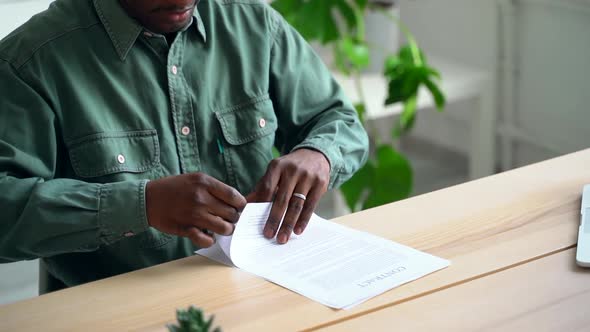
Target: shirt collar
[[123, 30]]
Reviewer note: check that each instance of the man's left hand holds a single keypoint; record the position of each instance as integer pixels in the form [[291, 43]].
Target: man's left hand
[[297, 181]]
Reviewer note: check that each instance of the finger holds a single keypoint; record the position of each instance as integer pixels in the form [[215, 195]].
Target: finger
[[219, 208], [199, 238], [311, 203], [226, 193], [296, 205], [279, 205], [267, 186], [252, 197], [214, 224]]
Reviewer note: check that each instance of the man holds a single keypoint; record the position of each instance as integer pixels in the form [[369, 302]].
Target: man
[[131, 130]]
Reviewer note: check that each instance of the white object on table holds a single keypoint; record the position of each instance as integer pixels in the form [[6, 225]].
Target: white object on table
[[583, 249], [329, 263]]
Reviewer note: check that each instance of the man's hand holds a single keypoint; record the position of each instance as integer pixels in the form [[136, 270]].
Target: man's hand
[[305, 172], [191, 204]]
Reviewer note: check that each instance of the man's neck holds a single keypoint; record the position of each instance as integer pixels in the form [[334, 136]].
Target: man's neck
[[170, 37]]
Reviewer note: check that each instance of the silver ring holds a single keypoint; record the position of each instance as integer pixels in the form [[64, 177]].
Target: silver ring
[[298, 195]]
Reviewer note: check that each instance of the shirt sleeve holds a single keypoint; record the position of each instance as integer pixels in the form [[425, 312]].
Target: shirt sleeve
[[312, 110], [42, 215]]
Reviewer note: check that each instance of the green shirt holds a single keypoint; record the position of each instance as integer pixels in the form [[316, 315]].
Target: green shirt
[[92, 106]]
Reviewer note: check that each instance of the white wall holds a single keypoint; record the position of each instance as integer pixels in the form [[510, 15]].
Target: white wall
[[554, 67], [13, 13], [551, 66], [461, 30]]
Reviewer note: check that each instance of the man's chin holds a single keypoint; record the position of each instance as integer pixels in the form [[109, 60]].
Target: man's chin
[[169, 22], [171, 27]]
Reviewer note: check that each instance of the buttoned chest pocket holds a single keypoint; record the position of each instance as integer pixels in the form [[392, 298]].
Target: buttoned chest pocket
[[116, 156], [120, 156], [249, 133]]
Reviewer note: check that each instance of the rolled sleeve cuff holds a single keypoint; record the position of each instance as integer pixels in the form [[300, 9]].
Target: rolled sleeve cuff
[[122, 210], [333, 156]]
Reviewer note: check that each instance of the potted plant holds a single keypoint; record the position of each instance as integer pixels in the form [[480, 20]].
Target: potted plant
[[340, 24], [192, 320]]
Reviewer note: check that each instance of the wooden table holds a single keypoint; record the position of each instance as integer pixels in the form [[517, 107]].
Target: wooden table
[[511, 239]]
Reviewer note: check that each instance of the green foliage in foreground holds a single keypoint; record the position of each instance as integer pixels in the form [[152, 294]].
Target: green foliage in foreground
[[192, 320]]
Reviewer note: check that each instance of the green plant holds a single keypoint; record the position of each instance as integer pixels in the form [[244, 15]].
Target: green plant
[[387, 176], [192, 320]]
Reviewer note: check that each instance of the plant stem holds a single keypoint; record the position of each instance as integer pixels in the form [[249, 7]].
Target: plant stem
[[359, 87], [406, 31], [360, 32]]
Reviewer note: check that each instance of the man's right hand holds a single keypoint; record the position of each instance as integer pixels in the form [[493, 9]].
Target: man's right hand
[[190, 204]]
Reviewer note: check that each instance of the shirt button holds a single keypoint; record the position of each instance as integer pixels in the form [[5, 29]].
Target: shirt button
[[185, 130], [129, 234], [174, 70], [262, 123], [121, 159]]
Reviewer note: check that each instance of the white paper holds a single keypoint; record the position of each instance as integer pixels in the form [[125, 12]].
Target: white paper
[[329, 263]]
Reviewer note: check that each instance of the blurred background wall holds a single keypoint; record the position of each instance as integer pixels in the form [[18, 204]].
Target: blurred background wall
[[538, 53]]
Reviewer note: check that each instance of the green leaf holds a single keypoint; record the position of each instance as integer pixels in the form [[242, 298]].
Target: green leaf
[[405, 54], [350, 55], [340, 60], [346, 11], [404, 77], [411, 81], [437, 95], [361, 4], [356, 186], [192, 320], [393, 65], [356, 53], [395, 91], [432, 72], [287, 7], [407, 119], [392, 178], [275, 152], [409, 113], [361, 110], [315, 19]]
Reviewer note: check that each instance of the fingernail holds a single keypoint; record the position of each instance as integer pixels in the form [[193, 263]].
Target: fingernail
[[298, 230], [268, 233], [282, 238]]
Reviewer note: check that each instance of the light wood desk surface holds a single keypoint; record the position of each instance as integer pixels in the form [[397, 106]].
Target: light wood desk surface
[[547, 294], [488, 228]]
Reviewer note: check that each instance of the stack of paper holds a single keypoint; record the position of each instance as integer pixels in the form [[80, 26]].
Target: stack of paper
[[329, 263]]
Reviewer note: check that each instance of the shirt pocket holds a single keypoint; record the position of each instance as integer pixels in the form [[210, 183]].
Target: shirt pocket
[[120, 156], [116, 156], [248, 132]]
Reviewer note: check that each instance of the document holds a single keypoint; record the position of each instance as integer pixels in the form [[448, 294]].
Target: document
[[332, 264]]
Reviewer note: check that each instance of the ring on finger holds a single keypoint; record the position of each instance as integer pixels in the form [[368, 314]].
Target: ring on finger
[[299, 195]]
